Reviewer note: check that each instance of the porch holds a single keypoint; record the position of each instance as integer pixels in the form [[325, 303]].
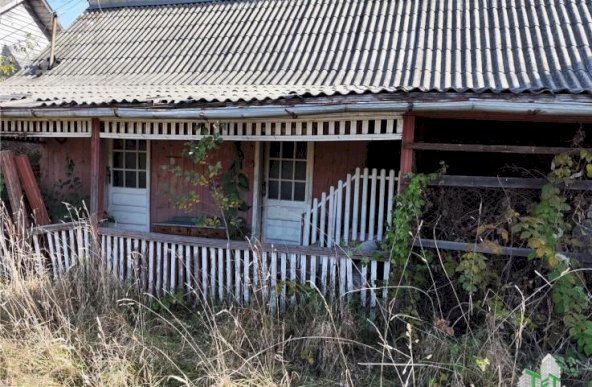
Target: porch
[[204, 269], [315, 181]]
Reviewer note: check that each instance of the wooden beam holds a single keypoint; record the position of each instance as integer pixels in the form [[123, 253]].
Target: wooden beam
[[13, 185], [480, 148], [503, 251], [257, 180], [32, 190], [505, 182], [407, 156], [96, 172]]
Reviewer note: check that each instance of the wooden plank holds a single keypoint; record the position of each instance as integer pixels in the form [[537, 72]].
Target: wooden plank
[[503, 182], [228, 272], [381, 193], [52, 256], [12, 184], [322, 230], [204, 274], [338, 212], [247, 275], [373, 277], [39, 260], [109, 255], [144, 265], [347, 209], [213, 267], [372, 211], [151, 268], [356, 201], [331, 223], [273, 281], [390, 198], [158, 269], [237, 275], [220, 274], [95, 171], [257, 192], [66, 250], [342, 278], [129, 259], [482, 148], [293, 278], [363, 216], [407, 156], [315, 220], [386, 273], [313, 272], [223, 243], [32, 191], [283, 277]]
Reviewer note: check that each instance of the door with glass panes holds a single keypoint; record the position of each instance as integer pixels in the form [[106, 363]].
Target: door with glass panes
[[288, 190], [128, 182]]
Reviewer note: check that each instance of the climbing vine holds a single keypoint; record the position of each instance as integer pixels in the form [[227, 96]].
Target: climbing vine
[[227, 188]]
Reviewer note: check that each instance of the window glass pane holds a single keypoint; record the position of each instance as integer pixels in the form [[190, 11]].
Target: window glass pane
[[117, 159], [142, 145], [141, 179], [287, 170], [273, 190], [131, 144], [301, 150], [117, 144], [274, 169], [300, 173], [288, 150], [286, 193], [118, 178], [299, 191], [141, 160], [130, 179], [130, 160], [274, 149]]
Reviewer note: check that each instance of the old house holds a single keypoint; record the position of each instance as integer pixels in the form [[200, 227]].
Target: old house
[[25, 29], [329, 102]]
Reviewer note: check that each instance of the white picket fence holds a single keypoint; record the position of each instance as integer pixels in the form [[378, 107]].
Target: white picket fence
[[359, 209], [207, 270]]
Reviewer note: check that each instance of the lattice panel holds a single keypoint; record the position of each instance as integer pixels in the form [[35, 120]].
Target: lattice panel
[[294, 130], [45, 128]]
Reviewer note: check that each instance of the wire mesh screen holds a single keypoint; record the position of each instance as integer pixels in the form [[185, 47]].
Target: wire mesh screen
[[461, 214]]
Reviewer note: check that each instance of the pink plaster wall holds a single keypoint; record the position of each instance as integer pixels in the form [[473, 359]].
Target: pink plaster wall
[[333, 161], [54, 161], [166, 188]]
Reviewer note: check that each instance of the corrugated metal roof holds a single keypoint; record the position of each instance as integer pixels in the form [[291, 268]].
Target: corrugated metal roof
[[268, 49]]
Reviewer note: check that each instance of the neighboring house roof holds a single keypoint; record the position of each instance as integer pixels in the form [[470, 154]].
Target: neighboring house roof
[[233, 50], [25, 28]]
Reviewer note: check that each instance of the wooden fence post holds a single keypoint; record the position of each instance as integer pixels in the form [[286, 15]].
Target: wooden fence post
[[407, 154]]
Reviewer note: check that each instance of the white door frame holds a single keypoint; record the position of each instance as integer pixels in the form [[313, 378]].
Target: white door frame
[[148, 177], [309, 182]]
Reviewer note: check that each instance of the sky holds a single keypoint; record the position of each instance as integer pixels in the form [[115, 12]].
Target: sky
[[68, 10]]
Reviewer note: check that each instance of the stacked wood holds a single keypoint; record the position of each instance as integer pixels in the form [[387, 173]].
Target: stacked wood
[[18, 174]]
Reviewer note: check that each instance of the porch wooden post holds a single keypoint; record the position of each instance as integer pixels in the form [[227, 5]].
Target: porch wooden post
[[257, 176], [97, 173], [407, 153]]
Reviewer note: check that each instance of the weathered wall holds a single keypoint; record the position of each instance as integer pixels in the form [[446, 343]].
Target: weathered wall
[[54, 167], [333, 161], [166, 188]]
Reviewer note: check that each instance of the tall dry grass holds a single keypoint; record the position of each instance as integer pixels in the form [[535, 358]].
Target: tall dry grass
[[86, 328]]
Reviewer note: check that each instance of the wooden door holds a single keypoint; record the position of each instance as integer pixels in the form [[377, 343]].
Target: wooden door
[[288, 190], [129, 179]]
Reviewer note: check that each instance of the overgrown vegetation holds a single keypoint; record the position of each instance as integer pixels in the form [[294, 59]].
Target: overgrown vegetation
[[496, 307], [226, 188]]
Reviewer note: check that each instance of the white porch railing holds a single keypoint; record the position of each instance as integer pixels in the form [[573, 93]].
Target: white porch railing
[[359, 209], [208, 270]]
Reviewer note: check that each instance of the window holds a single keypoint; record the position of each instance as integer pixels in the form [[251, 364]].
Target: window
[[287, 171], [128, 164]]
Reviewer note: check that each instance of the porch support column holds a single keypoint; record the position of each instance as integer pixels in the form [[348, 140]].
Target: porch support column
[[257, 179], [97, 173], [407, 154]]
